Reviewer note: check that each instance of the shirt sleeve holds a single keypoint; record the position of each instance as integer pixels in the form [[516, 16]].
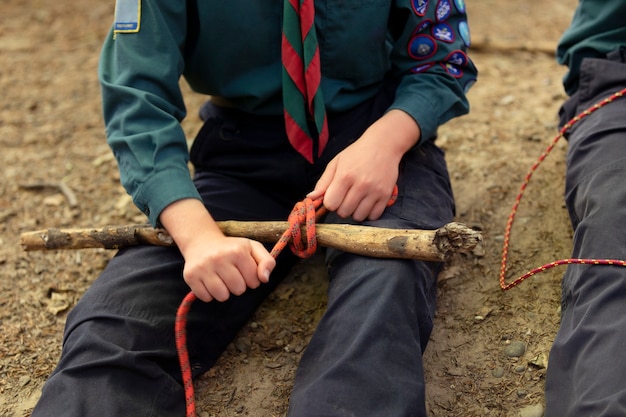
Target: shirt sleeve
[[140, 68], [430, 40], [597, 28]]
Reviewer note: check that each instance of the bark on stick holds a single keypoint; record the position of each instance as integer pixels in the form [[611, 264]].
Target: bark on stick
[[428, 245]]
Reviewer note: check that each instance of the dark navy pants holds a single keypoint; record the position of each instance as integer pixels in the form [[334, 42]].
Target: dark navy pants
[[587, 365], [365, 358]]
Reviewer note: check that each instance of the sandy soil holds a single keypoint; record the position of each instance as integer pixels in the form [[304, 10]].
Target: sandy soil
[[52, 137]]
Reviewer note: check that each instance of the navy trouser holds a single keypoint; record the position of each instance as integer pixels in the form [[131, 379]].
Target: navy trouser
[[364, 359], [587, 367]]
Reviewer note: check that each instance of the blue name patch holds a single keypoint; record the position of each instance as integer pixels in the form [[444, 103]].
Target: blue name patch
[[127, 16]]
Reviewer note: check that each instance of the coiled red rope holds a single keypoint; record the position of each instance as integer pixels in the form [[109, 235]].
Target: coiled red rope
[[305, 212], [507, 234]]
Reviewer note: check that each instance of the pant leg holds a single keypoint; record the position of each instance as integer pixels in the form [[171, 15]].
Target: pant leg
[[587, 370], [118, 350], [119, 356], [365, 357]]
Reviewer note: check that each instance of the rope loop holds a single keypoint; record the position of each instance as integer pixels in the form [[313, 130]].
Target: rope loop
[[303, 214], [509, 225]]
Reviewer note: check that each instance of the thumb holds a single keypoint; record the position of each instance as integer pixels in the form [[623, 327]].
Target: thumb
[[265, 261], [323, 182]]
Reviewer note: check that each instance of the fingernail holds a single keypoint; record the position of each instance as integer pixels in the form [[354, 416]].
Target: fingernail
[[266, 275]]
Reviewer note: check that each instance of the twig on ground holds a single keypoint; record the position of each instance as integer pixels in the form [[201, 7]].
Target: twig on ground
[[67, 192], [487, 45]]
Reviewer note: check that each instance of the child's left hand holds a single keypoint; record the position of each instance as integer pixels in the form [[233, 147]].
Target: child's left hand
[[359, 181]]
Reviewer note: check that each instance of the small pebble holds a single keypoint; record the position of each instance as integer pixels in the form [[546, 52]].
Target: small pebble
[[515, 349], [456, 371], [498, 372], [24, 381], [243, 344]]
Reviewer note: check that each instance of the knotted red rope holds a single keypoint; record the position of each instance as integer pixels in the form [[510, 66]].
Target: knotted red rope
[[305, 212], [507, 234]]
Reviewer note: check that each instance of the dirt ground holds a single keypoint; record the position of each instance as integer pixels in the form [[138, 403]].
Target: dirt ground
[[52, 140]]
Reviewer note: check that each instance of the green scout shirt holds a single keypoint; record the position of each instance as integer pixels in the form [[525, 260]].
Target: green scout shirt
[[598, 27], [231, 48]]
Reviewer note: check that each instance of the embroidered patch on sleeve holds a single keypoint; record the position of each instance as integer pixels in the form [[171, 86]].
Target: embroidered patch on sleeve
[[460, 5], [443, 32], [422, 47], [458, 58], [444, 8], [422, 68], [452, 69], [419, 7], [127, 16], [464, 32]]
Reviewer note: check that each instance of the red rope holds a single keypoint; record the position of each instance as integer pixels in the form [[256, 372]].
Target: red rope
[[180, 334], [305, 212], [507, 234]]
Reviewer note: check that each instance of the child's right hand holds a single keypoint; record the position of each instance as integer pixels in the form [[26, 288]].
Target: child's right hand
[[215, 265]]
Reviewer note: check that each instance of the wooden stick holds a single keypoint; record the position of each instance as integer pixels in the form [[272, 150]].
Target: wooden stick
[[429, 245]]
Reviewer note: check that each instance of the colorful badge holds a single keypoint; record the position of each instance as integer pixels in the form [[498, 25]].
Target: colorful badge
[[452, 70], [127, 16], [458, 58], [443, 32], [420, 6], [422, 26], [444, 9], [464, 32], [460, 5], [422, 47], [422, 68]]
